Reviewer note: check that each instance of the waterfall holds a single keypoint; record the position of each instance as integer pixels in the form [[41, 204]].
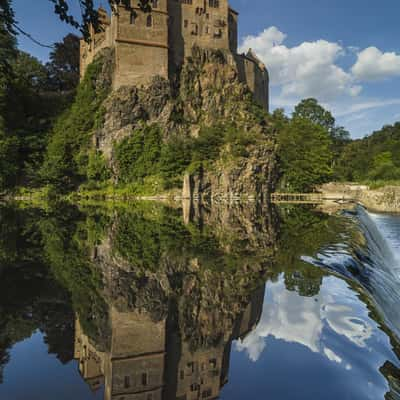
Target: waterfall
[[375, 265]]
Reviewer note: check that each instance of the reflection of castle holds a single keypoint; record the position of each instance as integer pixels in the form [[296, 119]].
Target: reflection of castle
[[148, 361]]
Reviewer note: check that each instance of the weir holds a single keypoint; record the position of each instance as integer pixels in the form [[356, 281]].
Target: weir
[[375, 265], [307, 198]]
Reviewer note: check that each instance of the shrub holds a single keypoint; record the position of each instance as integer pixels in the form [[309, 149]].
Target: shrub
[[67, 158]]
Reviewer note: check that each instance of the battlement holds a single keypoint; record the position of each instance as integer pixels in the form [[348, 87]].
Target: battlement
[[158, 42]]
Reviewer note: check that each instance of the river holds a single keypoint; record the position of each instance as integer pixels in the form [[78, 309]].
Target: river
[[148, 302]]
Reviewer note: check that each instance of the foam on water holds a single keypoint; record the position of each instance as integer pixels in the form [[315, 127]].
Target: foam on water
[[376, 266], [389, 227]]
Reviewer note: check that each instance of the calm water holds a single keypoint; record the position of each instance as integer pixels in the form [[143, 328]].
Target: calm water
[[146, 302]]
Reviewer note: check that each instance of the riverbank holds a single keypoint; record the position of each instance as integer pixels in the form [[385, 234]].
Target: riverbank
[[385, 199]]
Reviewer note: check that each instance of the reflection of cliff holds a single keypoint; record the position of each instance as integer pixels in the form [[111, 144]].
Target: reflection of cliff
[[149, 359], [177, 296]]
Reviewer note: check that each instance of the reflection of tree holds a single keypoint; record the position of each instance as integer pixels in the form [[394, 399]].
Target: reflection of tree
[[304, 232], [31, 300], [392, 374], [67, 252]]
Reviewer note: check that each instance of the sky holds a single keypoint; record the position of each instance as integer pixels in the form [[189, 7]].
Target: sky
[[345, 53]]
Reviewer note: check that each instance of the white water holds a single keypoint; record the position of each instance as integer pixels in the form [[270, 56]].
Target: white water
[[376, 266], [388, 226]]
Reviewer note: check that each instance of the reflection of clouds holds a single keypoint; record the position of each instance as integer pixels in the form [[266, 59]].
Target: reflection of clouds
[[332, 356], [355, 329], [290, 317]]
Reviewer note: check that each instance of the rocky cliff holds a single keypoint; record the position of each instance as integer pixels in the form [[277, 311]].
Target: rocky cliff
[[207, 93]]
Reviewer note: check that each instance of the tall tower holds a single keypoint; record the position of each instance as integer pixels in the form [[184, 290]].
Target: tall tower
[[141, 43], [202, 23]]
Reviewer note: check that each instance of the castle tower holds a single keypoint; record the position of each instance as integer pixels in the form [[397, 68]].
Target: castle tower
[[202, 23], [141, 43]]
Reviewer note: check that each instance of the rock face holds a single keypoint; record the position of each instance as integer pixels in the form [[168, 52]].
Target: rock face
[[208, 93], [251, 178], [386, 199]]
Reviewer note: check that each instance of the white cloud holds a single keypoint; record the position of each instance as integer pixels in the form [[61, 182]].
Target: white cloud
[[306, 70], [356, 107], [372, 64], [316, 69]]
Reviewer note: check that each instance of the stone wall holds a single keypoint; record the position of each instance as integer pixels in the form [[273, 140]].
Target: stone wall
[[386, 199], [198, 24], [255, 75], [100, 40]]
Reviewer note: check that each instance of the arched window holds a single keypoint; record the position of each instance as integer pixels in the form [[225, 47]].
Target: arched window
[[149, 21]]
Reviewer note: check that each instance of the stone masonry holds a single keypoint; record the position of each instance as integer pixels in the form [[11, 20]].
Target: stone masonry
[[158, 43]]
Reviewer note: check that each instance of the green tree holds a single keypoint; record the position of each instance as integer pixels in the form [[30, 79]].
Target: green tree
[[138, 155], [67, 155], [63, 67], [310, 109], [384, 167], [375, 157], [305, 155]]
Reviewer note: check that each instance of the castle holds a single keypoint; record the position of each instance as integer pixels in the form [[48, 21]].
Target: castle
[[153, 43], [146, 360]]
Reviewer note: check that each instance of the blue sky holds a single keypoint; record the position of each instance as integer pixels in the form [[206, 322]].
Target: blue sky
[[346, 53]]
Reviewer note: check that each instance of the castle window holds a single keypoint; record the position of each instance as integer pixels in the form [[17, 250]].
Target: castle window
[[127, 382], [206, 393], [207, 30], [194, 387], [144, 379], [213, 3], [185, 23], [154, 3], [218, 33], [195, 29], [133, 18], [149, 21]]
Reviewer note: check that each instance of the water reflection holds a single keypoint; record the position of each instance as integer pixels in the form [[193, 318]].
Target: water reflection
[[148, 303]]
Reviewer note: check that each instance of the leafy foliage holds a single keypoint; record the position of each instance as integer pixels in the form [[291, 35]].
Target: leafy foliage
[[63, 68], [305, 155], [66, 160], [376, 157], [144, 153], [29, 104]]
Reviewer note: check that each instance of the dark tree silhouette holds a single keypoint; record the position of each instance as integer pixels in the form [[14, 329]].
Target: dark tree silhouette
[[64, 64]]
